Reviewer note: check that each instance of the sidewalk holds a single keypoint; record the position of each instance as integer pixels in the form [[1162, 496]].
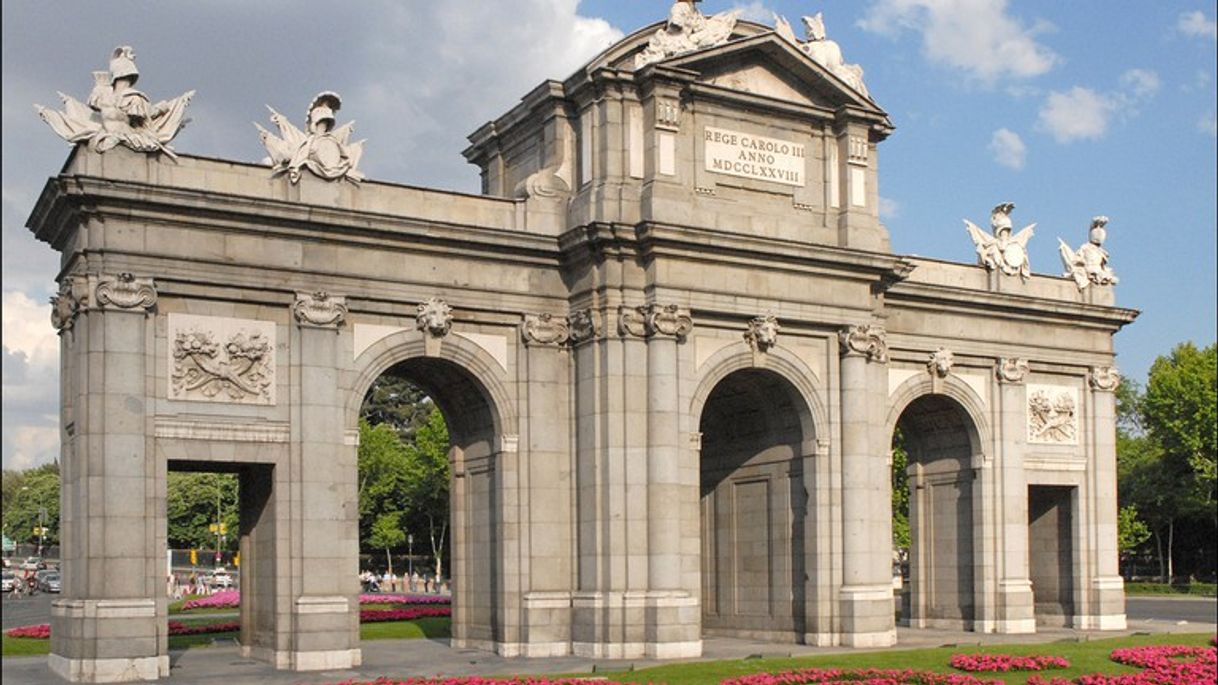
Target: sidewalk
[[224, 665]]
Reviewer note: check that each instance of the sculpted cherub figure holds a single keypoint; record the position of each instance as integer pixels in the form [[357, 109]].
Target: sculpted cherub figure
[[1002, 251], [324, 150], [1090, 263], [124, 115], [823, 51]]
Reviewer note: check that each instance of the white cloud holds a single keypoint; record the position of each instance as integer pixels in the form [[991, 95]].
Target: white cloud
[[1077, 114], [27, 446], [755, 11], [1196, 24], [30, 389], [975, 36], [1141, 83], [1008, 149], [889, 208], [28, 330], [1208, 124]]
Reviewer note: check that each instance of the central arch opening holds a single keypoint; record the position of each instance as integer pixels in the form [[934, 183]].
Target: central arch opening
[[428, 501], [939, 440], [753, 507]]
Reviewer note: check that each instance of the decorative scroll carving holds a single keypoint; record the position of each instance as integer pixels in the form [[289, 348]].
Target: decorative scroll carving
[[869, 341], [124, 116], [940, 362], [583, 325], [823, 51], [1011, 369], [762, 333], [435, 317], [319, 309], [686, 30], [632, 321], [544, 329], [323, 150], [1002, 251], [1105, 378], [668, 319], [1052, 414], [222, 360], [64, 307], [1090, 263], [125, 291]]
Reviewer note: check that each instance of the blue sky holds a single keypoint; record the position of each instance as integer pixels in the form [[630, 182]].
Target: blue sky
[[1068, 109]]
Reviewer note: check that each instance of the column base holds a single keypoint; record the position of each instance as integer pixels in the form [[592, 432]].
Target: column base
[[1016, 607], [656, 624], [313, 660], [867, 616], [117, 670]]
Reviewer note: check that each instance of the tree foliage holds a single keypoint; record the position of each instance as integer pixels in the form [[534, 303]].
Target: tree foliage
[[26, 494], [194, 501], [900, 495], [1181, 413]]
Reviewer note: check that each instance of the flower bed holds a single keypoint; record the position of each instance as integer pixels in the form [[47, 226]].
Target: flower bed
[[231, 599], [866, 676], [1006, 662], [1164, 665], [42, 631], [473, 680], [406, 614]]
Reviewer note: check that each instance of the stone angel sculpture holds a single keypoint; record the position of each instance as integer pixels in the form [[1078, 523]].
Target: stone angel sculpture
[[823, 51], [1089, 264], [1002, 251], [687, 29], [321, 148], [117, 114]]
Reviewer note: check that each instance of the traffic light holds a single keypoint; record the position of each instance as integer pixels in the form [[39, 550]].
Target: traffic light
[[237, 559], [194, 557]]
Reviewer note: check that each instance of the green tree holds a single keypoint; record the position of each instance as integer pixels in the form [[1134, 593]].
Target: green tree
[[395, 401], [384, 474], [900, 495], [387, 533], [1181, 413], [1131, 531], [428, 487], [31, 500], [193, 501]]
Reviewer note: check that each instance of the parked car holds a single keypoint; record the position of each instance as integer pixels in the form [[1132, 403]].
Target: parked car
[[220, 578], [31, 564], [49, 582], [10, 581]]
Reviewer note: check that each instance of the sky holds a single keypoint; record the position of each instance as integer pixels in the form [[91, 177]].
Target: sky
[[1067, 109]]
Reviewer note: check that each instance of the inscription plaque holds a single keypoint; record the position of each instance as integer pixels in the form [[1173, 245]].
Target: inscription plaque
[[736, 153]]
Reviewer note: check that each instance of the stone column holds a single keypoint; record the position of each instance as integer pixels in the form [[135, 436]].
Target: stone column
[[324, 601], [1016, 606], [1107, 588], [866, 593], [108, 625], [672, 632]]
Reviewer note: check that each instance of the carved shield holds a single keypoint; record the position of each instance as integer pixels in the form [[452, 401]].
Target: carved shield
[[1014, 254]]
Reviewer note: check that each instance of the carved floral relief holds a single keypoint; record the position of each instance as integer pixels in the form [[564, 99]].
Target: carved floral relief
[[1053, 414], [218, 359]]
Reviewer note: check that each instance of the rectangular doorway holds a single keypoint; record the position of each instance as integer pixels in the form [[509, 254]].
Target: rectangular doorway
[[1051, 552]]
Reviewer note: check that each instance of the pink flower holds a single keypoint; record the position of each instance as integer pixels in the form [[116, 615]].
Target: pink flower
[[869, 676], [42, 631], [405, 614], [1006, 662]]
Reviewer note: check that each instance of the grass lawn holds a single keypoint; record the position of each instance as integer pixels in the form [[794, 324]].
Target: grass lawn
[[407, 630], [1085, 657], [197, 641], [23, 646], [1193, 589]]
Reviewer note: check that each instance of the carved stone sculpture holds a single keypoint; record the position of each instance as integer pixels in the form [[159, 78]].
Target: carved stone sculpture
[[686, 30], [940, 363], [869, 341], [582, 326], [1105, 378], [762, 333], [1052, 415], [435, 317], [1011, 369], [823, 51], [632, 321], [319, 309], [668, 319], [1002, 251], [240, 368], [117, 114], [322, 148], [1090, 263], [125, 291], [64, 307], [544, 329]]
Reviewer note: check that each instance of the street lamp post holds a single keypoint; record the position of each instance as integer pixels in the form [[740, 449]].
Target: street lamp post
[[410, 559], [42, 520]]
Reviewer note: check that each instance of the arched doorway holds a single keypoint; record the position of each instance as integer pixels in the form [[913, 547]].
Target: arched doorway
[[755, 428], [940, 440], [475, 523]]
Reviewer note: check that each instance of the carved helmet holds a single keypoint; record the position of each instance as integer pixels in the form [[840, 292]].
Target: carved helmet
[[1000, 218], [1097, 234], [122, 64], [323, 107]]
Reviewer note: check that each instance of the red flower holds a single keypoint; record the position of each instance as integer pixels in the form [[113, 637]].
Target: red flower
[[1006, 662]]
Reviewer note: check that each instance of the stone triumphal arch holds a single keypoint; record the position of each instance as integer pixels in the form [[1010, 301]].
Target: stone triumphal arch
[[671, 340]]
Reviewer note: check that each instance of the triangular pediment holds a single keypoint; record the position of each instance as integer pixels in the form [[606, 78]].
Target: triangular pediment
[[771, 66]]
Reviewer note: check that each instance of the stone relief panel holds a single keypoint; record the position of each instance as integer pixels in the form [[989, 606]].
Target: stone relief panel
[[545, 329], [219, 359], [319, 310], [1052, 414]]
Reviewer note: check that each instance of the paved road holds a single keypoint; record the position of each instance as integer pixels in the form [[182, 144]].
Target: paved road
[[27, 610], [1191, 609]]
